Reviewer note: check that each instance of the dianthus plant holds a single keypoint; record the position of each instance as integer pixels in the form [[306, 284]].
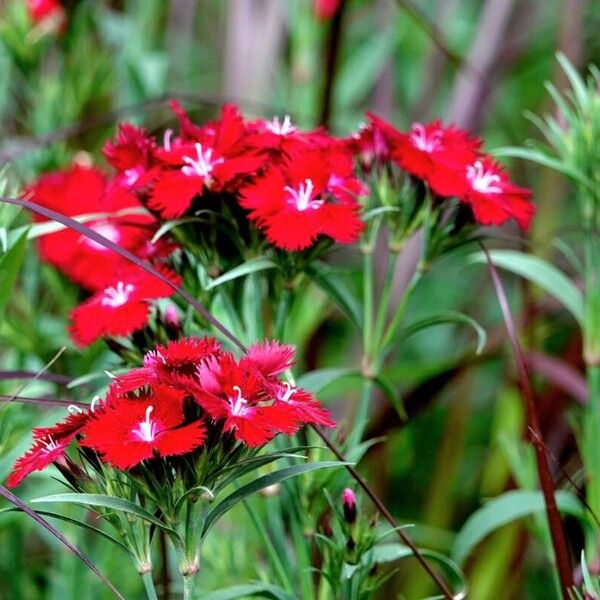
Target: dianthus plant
[[234, 218]]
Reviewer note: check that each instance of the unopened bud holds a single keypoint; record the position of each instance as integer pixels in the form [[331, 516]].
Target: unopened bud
[[349, 505]]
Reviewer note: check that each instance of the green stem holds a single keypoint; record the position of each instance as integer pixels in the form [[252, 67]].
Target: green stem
[[283, 306], [149, 585], [384, 302], [368, 282], [362, 413], [189, 583], [400, 310]]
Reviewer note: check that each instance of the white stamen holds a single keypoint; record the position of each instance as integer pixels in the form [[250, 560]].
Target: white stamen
[[289, 392], [117, 296], [167, 139], [424, 142], [131, 175], [302, 196], [50, 445], [485, 182], [74, 410], [96, 400], [147, 429], [201, 166], [237, 404], [281, 128], [109, 374]]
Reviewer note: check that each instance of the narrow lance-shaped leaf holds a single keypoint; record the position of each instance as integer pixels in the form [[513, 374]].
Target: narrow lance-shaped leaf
[[258, 484], [59, 536]]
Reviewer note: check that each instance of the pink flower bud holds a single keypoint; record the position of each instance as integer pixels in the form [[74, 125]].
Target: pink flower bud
[[349, 504]]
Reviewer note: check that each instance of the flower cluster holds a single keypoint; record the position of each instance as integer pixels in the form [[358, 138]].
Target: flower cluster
[[268, 185], [452, 164], [187, 394]]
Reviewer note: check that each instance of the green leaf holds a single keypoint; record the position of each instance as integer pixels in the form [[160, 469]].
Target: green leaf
[[444, 318], [258, 484], [250, 266], [10, 264], [505, 509], [542, 158], [538, 271], [111, 502], [317, 380], [390, 392], [324, 276], [264, 590], [82, 524], [391, 552]]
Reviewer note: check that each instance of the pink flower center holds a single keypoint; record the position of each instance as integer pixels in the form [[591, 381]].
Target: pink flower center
[[117, 295], [278, 128], [202, 165], [146, 430], [238, 405], [106, 230], [423, 141], [167, 139], [485, 182], [49, 445], [130, 176], [302, 197], [287, 395]]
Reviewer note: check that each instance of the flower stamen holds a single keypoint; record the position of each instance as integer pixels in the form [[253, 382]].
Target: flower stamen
[[118, 295], [238, 405], [146, 430], [424, 142], [302, 196], [202, 165], [485, 182]]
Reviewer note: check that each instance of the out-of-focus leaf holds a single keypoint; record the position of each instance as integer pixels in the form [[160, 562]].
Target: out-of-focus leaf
[[538, 271], [10, 264], [317, 380], [263, 590], [324, 276], [504, 509], [445, 318]]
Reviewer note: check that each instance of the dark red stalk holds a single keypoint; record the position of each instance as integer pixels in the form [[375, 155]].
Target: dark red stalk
[[559, 542], [41, 401], [4, 492], [103, 241], [52, 377], [334, 39]]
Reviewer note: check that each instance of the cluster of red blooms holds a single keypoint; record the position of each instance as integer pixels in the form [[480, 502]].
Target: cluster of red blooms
[[168, 407], [296, 187], [452, 164]]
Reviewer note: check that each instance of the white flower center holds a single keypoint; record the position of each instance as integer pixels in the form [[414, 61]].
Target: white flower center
[[146, 430], [238, 405], [485, 182], [167, 139], [424, 142], [49, 445], [302, 196], [202, 165], [118, 295], [110, 232], [287, 395], [278, 128]]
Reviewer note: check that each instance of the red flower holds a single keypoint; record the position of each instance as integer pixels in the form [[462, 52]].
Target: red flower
[[305, 407], [84, 190], [48, 14], [493, 197], [309, 197], [212, 158], [235, 394], [126, 431], [174, 364], [131, 154], [432, 152], [120, 308], [270, 358], [49, 445]]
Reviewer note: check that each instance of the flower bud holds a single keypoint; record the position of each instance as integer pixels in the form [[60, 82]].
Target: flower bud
[[349, 505]]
